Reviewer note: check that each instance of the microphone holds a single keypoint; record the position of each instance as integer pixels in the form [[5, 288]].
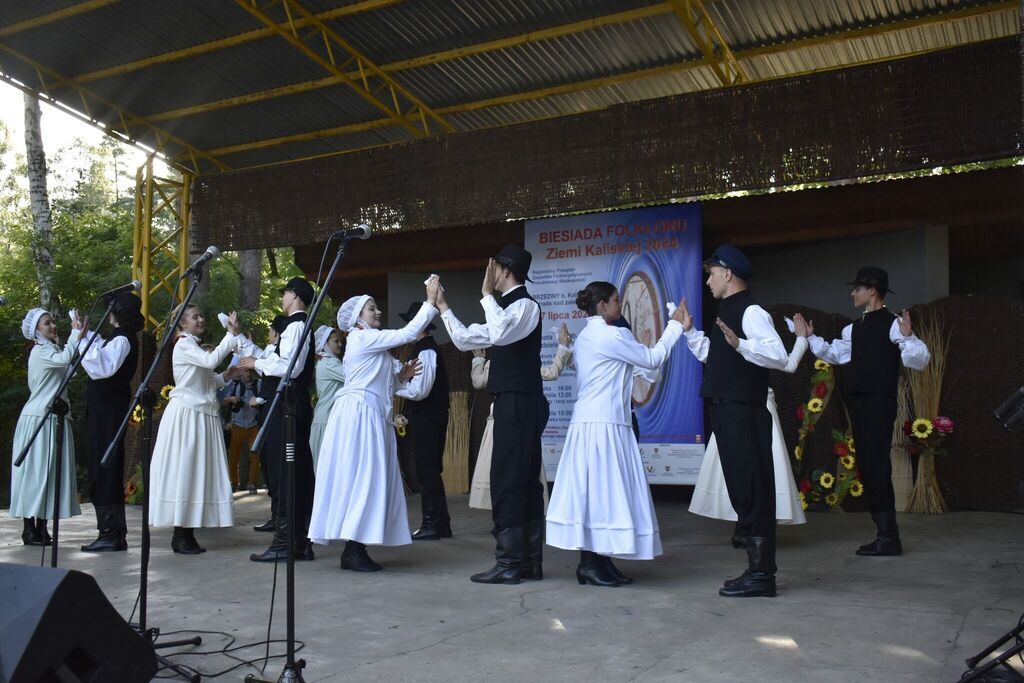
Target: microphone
[[132, 286], [211, 253], [361, 232], [3, 300]]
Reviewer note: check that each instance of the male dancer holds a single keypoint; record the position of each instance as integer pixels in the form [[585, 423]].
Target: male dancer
[[874, 345], [737, 353], [111, 366], [427, 406], [296, 295], [513, 331]]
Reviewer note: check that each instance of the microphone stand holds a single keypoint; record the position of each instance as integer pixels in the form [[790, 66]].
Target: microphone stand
[[60, 408], [147, 399], [292, 672]]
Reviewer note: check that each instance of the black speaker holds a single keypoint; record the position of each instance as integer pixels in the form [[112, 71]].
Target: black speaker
[[57, 626]]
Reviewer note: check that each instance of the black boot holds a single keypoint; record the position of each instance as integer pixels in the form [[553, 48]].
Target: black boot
[[277, 551], [428, 530], [30, 533], [112, 532], [739, 539], [758, 581], [614, 571], [444, 520], [355, 558], [533, 550], [184, 542], [44, 535], [508, 552], [268, 525], [592, 570], [887, 542]]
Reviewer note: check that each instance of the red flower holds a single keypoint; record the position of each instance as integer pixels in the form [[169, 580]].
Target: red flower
[[907, 428], [841, 449], [805, 486], [800, 412], [820, 389], [943, 425]]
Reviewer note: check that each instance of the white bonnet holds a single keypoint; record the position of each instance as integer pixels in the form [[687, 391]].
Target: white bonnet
[[320, 338], [348, 314], [31, 320]]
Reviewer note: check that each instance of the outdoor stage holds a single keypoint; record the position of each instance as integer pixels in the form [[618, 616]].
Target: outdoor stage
[[837, 617]]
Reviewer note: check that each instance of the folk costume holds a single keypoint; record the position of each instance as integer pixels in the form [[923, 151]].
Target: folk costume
[[330, 378]]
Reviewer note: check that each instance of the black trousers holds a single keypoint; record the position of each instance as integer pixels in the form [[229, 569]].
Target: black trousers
[[743, 432], [106, 484], [873, 416], [272, 458], [516, 494], [429, 430]]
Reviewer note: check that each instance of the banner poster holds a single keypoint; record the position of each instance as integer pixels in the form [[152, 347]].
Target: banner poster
[[653, 256]]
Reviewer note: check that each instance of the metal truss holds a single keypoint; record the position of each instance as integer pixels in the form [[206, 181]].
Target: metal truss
[[709, 39]]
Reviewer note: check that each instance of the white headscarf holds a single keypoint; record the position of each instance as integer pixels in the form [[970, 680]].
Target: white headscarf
[[348, 314], [28, 325], [320, 338]]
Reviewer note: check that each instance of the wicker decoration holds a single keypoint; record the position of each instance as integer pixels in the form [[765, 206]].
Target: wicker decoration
[[456, 445], [899, 456], [926, 395]]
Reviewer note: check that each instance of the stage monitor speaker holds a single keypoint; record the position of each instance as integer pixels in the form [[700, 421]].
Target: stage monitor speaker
[[57, 626]]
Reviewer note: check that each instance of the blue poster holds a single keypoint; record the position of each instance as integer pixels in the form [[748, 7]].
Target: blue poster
[[653, 257]]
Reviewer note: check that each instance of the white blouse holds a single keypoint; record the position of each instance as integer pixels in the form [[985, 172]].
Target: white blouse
[[47, 364], [195, 382]]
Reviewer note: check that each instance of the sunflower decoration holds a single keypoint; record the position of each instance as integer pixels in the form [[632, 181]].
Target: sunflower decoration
[[848, 461], [849, 443], [821, 365], [921, 428], [856, 489], [165, 393], [815, 405], [843, 476], [803, 501], [401, 422], [831, 499], [798, 452], [826, 480], [138, 415]]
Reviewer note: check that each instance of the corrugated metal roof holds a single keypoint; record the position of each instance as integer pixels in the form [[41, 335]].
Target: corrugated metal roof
[[651, 55]]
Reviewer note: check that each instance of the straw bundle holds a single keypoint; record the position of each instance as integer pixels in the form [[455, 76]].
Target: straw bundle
[[456, 446], [926, 394], [902, 468]]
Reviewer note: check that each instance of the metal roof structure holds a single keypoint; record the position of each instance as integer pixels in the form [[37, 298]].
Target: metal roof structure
[[218, 85]]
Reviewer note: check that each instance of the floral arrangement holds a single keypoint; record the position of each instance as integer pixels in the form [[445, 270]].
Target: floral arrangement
[[133, 487], [138, 414], [928, 439]]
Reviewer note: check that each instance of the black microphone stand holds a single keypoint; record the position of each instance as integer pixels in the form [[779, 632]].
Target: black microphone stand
[[60, 408], [147, 399], [292, 672]]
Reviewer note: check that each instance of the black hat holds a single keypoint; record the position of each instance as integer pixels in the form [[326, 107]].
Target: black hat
[[280, 323], [728, 256], [128, 309], [872, 276], [414, 308], [517, 260], [302, 289]]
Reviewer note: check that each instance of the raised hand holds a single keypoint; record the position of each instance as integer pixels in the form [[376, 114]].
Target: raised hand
[[441, 303], [730, 336], [410, 370], [479, 353], [799, 325], [564, 338], [906, 329], [683, 316], [433, 289], [234, 327], [490, 276]]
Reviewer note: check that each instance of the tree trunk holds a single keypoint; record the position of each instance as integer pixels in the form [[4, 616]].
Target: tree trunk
[[42, 255], [250, 263]]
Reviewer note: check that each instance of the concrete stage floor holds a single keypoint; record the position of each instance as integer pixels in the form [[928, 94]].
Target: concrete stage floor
[[837, 618]]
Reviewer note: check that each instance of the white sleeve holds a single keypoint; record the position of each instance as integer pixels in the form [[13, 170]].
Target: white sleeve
[[193, 354], [103, 360], [698, 343], [503, 326], [631, 351], [913, 351], [382, 340], [796, 355], [52, 357], [479, 372], [552, 371], [418, 388], [247, 348], [763, 346], [838, 352], [277, 365]]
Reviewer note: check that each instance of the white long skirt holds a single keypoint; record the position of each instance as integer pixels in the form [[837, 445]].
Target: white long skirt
[[359, 494], [480, 489], [711, 498], [32, 482], [601, 501], [188, 482]]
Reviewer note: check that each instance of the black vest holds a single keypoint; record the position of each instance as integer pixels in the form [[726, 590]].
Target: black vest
[[437, 400], [119, 385], [516, 367], [728, 375], [875, 360]]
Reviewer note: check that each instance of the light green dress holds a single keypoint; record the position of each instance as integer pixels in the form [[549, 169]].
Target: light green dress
[[330, 378], [32, 482]]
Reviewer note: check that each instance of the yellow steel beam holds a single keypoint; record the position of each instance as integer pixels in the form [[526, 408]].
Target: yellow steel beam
[[231, 41], [131, 125], [50, 17], [397, 102], [709, 40], [425, 60]]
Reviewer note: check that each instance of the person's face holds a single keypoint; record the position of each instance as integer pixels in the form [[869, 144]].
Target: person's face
[[371, 314], [610, 310], [273, 337], [334, 343], [718, 281], [288, 300], [861, 295], [193, 322], [47, 327]]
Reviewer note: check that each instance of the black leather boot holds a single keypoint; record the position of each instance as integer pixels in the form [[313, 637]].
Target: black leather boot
[[444, 520], [44, 535], [758, 581], [268, 525], [592, 570], [614, 571], [30, 532], [887, 542], [428, 530], [112, 532], [355, 558], [508, 552], [277, 551], [184, 543], [739, 539], [533, 550]]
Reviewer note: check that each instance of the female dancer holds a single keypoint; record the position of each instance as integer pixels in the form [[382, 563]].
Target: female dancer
[[359, 496], [330, 378], [32, 482], [601, 503], [189, 483]]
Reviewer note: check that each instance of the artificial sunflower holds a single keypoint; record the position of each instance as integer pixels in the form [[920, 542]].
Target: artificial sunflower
[[856, 489], [849, 442], [798, 452], [821, 365], [826, 480], [138, 415], [165, 393], [803, 501], [816, 404], [921, 428], [831, 499], [847, 461]]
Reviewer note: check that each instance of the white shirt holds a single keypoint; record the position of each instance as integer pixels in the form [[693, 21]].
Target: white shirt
[[606, 358], [480, 370], [913, 351], [418, 388], [276, 365], [762, 345], [195, 382], [503, 326], [47, 365], [103, 359]]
